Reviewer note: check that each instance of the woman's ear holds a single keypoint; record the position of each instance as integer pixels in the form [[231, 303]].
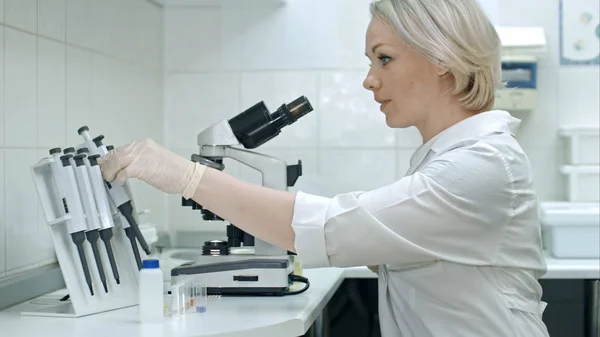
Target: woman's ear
[[442, 71]]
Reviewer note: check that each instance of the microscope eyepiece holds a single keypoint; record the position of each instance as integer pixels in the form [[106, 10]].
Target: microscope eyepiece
[[299, 107], [256, 125]]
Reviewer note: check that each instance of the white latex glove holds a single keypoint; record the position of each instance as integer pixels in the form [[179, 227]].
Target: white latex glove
[[149, 162]]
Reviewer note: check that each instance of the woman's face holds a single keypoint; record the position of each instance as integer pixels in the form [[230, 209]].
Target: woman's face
[[406, 84]]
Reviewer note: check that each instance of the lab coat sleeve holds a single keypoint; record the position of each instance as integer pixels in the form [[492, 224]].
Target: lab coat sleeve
[[454, 209]]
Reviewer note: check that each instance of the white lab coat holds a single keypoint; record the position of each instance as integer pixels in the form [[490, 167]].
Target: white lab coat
[[457, 240]]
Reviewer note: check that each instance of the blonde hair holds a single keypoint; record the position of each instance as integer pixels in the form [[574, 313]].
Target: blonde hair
[[454, 34]]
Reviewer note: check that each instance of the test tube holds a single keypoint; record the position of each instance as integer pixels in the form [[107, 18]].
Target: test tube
[[167, 304], [177, 304], [200, 297]]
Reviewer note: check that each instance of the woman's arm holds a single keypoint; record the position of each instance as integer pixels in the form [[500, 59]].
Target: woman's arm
[[260, 211], [263, 212], [455, 208]]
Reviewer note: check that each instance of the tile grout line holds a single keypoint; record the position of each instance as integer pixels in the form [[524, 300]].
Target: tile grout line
[[3, 24], [318, 98], [166, 125], [261, 71], [155, 3], [4, 143], [37, 82], [65, 136]]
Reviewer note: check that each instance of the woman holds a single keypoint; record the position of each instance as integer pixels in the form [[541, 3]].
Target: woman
[[457, 240]]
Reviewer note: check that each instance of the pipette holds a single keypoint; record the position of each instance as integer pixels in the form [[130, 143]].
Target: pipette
[[89, 206], [104, 213], [118, 195], [67, 188]]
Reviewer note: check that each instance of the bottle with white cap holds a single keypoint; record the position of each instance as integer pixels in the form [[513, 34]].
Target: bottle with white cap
[[151, 292]]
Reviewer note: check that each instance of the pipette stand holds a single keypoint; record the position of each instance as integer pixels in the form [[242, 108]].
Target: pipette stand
[[81, 302]]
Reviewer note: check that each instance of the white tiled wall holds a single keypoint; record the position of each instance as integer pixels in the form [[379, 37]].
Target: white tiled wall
[[221, 60], [64, 64], [567, 95]]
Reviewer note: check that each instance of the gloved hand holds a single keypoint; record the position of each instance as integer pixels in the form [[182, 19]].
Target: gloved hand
[[149, 162]]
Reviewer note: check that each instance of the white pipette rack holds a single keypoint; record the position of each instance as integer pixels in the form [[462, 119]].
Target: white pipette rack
[[81, 302]]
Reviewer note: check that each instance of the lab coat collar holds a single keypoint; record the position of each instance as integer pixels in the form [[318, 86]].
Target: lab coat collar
[[483, 123], [478, 125]]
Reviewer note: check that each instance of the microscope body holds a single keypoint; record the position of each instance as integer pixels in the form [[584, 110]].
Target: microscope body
[[275, 173], [232, 139]]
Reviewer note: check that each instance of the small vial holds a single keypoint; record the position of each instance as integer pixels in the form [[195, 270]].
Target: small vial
[[167, 305], [200, 297], [151, 292], [177, 304]]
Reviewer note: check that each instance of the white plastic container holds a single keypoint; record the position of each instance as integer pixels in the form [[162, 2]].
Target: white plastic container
[[573, 229], [151, 292], [582, 182], [583, 144]]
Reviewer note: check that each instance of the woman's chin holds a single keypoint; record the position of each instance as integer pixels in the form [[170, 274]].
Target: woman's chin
[[394, 122]]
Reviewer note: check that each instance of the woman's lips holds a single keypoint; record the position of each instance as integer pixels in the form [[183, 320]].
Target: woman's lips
[[383, 105]]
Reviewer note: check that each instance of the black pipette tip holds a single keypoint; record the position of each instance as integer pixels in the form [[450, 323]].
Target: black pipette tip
[[105, 287], [92, 237], [131, 235], [106, 235], [78, 238], [127, 211]]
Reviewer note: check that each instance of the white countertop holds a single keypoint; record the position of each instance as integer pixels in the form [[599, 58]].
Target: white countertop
[[224, 317], [572, 269], [557, 269], [229, 316]]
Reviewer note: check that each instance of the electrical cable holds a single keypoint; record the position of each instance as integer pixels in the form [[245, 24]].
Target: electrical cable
[[301, 279]]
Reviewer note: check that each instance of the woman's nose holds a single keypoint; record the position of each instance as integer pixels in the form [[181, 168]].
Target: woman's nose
[[371, 83]]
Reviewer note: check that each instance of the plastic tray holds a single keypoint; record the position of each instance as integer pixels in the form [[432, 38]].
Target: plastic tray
[[582, 182], [583, 144], [573, 229]]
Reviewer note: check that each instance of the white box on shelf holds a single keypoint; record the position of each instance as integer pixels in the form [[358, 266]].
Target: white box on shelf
[[582, 182], [583, 144], [573, 229]]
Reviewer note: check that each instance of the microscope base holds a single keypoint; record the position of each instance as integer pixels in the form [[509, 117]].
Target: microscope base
[[247, 276]]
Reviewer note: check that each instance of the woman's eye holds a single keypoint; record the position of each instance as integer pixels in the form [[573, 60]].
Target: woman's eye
[[384, 59]]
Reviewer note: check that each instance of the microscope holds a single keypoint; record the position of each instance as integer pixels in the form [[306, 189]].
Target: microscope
[[245, 265]]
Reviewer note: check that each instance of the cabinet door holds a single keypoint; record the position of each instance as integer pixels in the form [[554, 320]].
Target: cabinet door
[[565, 314]]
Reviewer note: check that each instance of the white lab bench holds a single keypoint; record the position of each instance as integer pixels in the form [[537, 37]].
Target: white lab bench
[[288, 316]]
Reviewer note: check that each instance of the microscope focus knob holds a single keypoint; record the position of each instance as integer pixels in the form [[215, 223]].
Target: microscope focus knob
[[215, 247], [187, 202], [293, 173]]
